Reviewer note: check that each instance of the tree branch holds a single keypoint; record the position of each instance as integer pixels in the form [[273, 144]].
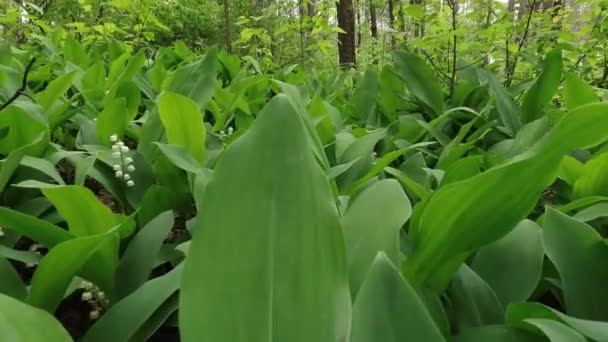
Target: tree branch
[[511, 70], [21, 89]]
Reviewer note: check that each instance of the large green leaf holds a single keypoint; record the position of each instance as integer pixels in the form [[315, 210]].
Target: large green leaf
[[60, 266], [496, 333], [138, 259], [593, 179], [125, 317], [365, 96], [86, 215], [388, 309], [463, 216], [183, 123], [519, 312], [112, 120], [420, 80], [575, 249], [267, 226], [372, 224], [20, 322], [36, 229], [507, 109], [577, 92], [11, 285], [54, 91], [555, 331], [512, 266], [544, 88], [472, 301], [196, 80], [361, 148]]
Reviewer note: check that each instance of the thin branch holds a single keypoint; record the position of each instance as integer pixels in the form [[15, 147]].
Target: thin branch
[[586, 52], [435, 67], [454, 6], [511, 70], [477, 61], [21, 89]]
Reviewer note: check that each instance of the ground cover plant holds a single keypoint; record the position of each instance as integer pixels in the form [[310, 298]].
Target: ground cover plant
[[180, 193]]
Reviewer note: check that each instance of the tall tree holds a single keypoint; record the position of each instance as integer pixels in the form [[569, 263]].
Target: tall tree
[[391, 20], [346, 22], [372, 19], [227, 26]]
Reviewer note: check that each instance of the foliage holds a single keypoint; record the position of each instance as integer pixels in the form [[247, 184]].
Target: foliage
[[149, 186]]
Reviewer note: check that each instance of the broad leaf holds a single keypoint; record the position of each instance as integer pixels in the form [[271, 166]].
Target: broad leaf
[[60, 266], [420, 80], [183, 123], [371, 225], [577, 92], [388, 309], [570, 244], [544, 88], [20, 322], [284, 223], [512, 266]]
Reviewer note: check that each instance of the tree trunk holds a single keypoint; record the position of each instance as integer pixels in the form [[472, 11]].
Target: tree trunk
[[391, 21], [372, 19], [511, 6], [346, 41], [311, 8], [302, 13], [227, 26], [357, 10]]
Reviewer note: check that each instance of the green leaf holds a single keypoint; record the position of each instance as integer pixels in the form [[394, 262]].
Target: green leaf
[[371, 224], [472, 301], [496, 333], [12, 161], [36, 229], [112, 120], [183, 123], [544, 88], [484, 208], [180, 157], [196, 80], [577, 92], [387, 308], [124, 318], [569, 244], [82, 210], [555, 331], [54, 91], [87, 216], [73, 52], [24, 128], [592, 180], [138, 259], [11, 285], [512, 266], [287, 228], [43, 166], [365, 95], [420, 80], [508, 111], [18, 319], [517, 314], [410, 184], [381, 164], [60, 266], [361, 149], [570, 170]]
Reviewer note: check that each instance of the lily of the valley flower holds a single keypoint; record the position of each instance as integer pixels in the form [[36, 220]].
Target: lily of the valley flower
[[124, 164]]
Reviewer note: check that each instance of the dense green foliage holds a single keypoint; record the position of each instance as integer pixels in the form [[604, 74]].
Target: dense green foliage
[[156, 186]]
